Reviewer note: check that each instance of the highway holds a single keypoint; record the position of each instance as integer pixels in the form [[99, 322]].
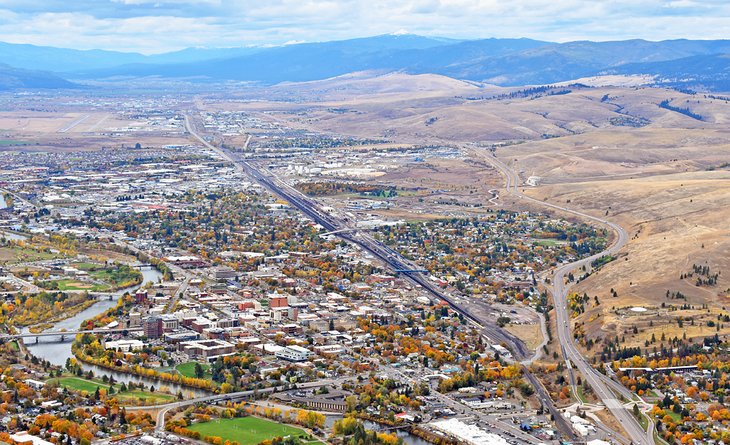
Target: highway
[[343, 228], [601, 384]]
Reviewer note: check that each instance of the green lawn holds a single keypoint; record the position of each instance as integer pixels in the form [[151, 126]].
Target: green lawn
[[87, 266], [72, 284], [581, 394], [547, 242], [79, 384], [126, 397], [246, 430], [188, 369], [122, 274], [676, 416], [148, 397]]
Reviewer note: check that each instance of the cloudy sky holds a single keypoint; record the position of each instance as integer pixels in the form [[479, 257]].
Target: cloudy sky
[[153, 26]]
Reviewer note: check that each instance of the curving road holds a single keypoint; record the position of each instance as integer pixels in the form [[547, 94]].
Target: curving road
[[233, 396], [601, 384]]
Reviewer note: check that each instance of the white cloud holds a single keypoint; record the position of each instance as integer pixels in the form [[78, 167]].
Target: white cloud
[[164, 25]]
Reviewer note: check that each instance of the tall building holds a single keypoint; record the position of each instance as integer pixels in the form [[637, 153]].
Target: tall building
[[153, 327]]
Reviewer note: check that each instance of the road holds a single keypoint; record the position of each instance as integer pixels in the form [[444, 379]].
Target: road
[[178, 294], [488, 422], [344, 229], [601, 384], [26, 285], [233, 396]]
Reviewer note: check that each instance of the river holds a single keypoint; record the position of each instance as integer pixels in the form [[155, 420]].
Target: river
[[49, 348], [57, 352], [408, 438]]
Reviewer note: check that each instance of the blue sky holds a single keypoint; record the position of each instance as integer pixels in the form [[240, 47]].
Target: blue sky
[[153, 26]]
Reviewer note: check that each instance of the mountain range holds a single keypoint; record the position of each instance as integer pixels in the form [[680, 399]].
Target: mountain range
[[12, 78], [701, 64]]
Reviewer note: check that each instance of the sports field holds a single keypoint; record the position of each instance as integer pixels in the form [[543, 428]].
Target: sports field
[[69, 284], [247, 430]]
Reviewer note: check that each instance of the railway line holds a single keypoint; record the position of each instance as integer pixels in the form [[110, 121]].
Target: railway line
[[343, 228]]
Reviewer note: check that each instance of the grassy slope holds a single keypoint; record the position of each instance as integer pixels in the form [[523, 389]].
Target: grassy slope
[[188, 369], [129, 397], [79, 384]]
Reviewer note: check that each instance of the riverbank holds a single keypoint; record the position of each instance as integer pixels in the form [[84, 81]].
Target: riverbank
[[147, 373], [127, 396], [74, 310]]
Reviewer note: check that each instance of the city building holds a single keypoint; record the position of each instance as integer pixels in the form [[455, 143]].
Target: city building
[[153, 327], [124, 345], [207, 349], [294, 353]]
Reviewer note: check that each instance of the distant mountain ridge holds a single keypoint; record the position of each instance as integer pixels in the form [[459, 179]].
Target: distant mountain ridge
[[506, 62], [304, 61], [64, 60], [710, 72], [15, 78]]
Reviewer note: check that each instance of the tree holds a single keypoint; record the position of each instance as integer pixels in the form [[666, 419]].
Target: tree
[[199, 371]]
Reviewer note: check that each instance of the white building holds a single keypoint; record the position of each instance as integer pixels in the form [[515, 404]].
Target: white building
[[124, 345], [23, 437], [294, 353], [469, 434]]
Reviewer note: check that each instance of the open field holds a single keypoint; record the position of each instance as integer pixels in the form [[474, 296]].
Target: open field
[[12, 255], [132, 397], [135, 397], [674, 222], [531, 334], [246, 430], [87, 266], [188, 369], [80, 384], [43, 127], [117, 277], [71, 284]]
